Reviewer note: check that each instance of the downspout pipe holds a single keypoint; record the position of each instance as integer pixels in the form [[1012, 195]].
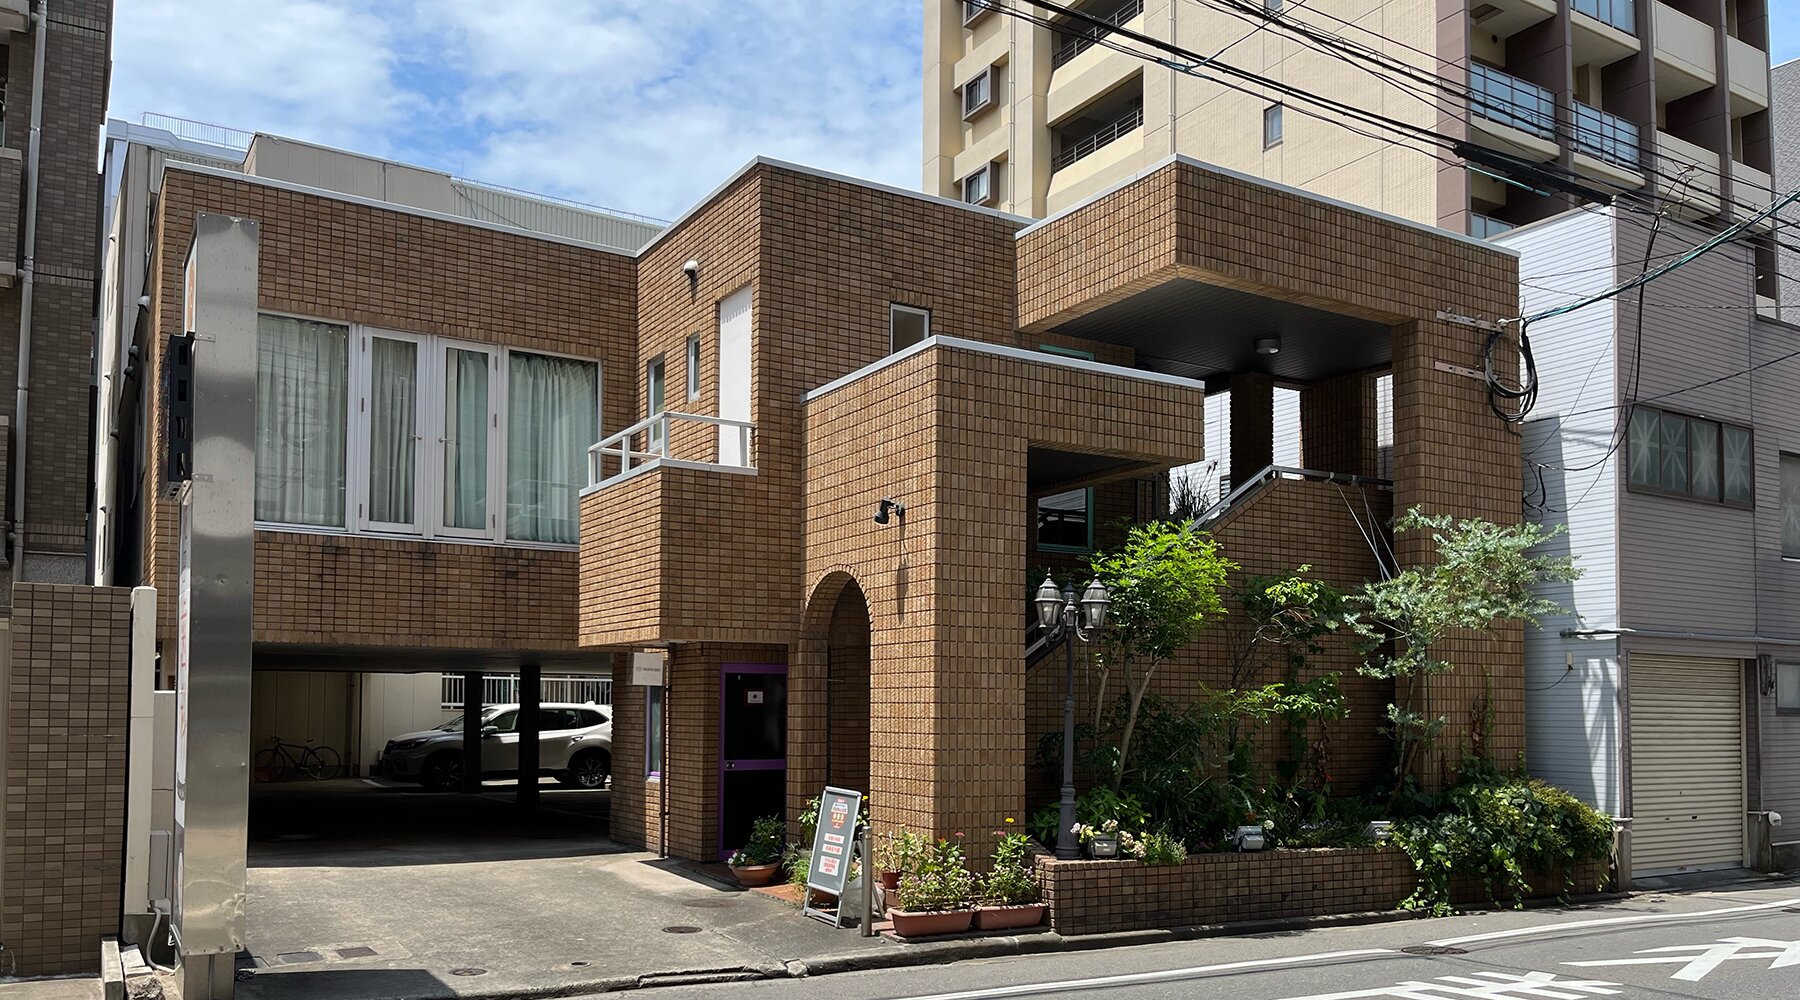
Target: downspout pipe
[[27, 281]]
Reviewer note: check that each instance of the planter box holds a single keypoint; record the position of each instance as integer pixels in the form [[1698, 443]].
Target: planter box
[[930, 923], [1009, 918]]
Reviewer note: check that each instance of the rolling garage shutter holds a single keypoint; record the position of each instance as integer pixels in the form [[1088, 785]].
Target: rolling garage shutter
[[1687, 764]]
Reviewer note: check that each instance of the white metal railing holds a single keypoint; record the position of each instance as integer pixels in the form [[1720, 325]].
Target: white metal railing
[[504, 690], [1273, 472], [621, 448]]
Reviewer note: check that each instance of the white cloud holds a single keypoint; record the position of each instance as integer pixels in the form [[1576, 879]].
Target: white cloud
[[639, 104]]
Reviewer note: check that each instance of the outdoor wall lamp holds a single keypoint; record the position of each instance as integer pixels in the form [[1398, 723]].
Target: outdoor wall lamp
[[889, 506], [1060, 617]]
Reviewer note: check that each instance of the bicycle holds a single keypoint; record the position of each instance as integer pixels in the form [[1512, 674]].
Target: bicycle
[[282, 761]]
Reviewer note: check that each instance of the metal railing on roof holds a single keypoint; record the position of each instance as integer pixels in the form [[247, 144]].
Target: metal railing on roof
[[650, 220], [1607, 136], [1087, 146], [1075, 41], [1504, 98], [187, 128]]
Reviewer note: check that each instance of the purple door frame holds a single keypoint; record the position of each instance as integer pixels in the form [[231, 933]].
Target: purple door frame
[[725, 765]]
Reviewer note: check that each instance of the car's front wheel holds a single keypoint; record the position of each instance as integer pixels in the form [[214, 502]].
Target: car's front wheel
[[588, 769], [442, 772]]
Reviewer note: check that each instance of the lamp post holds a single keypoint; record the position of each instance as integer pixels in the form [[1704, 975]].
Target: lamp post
[[1060, 617]]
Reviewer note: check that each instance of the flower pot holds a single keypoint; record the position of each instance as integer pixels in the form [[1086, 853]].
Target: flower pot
[[927, 923], [890, 881], [1009, 918], [751, 876]]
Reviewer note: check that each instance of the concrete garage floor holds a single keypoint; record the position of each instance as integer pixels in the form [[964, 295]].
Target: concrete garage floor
[[373, 890]]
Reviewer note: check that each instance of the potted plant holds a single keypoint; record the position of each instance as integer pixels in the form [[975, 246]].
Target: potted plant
[[899, 853], [934, 897], [756, 862], [1010, 892], [1101, 842]]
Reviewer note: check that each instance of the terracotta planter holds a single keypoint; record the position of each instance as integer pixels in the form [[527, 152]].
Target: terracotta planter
[[1009, 918], [890, 881], [751, 876], [928, 923]]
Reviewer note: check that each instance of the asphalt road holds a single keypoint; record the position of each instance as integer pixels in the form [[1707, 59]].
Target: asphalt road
[[1741, 945]]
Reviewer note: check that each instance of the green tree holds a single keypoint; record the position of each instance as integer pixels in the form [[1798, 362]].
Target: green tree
[[1166, 584], [1484, 575]]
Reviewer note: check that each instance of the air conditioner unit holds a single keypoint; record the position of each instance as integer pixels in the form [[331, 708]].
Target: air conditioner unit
[[15, 15]]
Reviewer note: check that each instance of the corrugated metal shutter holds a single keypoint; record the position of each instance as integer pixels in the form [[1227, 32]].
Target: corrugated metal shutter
[[1687, 764]]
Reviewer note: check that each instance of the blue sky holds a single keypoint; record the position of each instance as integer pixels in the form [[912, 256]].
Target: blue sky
[[642, 105]]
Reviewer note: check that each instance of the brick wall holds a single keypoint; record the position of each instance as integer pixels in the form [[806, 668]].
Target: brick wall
[[352, 263], [67, 689]]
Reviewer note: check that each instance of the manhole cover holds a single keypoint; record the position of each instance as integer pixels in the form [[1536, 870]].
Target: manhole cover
[[358, 951], [681, 929], [708, 903], [1433, 949], [468, 972], [297, 957]]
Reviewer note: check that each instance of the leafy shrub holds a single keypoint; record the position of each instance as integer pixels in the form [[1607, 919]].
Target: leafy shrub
[[1494, 832], [1011, 882], [767, 838], [941, 881], [799, 866], [1094, 808], [1159, 849], [901, 851]]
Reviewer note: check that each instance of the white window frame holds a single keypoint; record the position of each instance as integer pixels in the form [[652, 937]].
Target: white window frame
[[428, 465], [1274, 113], [656, 370], [990, 174], [895, 308], [985, 77], [693, 367]]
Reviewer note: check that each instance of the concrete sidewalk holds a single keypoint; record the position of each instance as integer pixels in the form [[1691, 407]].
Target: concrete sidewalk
[[85, 988]]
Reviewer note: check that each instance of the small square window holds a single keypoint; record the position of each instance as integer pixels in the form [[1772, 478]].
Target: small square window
[[978, 93], [693, 367], [979, 187], [1272, 126], [907, 326]]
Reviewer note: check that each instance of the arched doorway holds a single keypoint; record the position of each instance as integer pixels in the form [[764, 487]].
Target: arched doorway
[[847, 690]]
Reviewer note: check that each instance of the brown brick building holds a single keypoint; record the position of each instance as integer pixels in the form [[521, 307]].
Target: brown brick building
[[759, 377]]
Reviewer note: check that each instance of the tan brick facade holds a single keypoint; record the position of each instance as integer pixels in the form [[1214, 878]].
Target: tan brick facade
[[67, 696]]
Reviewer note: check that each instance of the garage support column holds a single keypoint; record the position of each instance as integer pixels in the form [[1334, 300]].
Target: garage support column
[[530, 695], [1252, 426], [471, 781]]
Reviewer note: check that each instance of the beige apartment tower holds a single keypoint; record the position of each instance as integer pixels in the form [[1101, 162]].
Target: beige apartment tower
[[1638, 98]]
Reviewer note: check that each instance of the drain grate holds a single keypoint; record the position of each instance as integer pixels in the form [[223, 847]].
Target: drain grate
[[681, 929], [356, 951], [298, 957], [1433, 949], [468, 972]]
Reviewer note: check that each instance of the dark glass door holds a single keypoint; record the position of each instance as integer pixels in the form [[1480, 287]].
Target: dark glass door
[[752, 748]]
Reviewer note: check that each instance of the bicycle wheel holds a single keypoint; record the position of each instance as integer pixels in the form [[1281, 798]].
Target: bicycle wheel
[[270, 765], [320, 762]]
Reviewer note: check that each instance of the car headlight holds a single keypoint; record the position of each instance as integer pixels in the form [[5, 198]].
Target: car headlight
[[406, 744]]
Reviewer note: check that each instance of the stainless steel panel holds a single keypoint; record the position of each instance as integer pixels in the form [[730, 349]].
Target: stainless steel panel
[[213, 713]]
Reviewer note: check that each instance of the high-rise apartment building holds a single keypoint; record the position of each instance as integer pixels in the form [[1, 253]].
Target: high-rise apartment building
[[1032, 110]]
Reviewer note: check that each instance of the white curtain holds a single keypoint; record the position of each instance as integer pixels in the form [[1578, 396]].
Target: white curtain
[[302, 388], [553, 407], [393, 429], [465, 439]]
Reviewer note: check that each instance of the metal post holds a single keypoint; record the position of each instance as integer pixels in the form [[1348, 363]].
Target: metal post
[[868, 883], [531, 682], [471, 772], [1066, 846]]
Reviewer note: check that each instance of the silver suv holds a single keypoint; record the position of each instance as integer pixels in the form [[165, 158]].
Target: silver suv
[[574, 746]]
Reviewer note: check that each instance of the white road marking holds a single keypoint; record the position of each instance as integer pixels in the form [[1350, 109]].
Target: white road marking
[[1482, 986], [1704, 958], [1135, 978], [1642, 918]]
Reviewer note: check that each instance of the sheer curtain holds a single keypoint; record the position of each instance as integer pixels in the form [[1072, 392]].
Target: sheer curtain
[[465, 439], [302, 389], [393, 429], [553, 417]]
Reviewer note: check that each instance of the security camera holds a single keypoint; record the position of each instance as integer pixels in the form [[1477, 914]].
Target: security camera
[[692, 268]]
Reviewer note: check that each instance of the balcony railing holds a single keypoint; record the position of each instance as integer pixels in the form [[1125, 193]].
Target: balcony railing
[[1621, 14], [735, 440], [1608, 137], [504, 690], [1075, 41], [1485, 227], [1086, 147], [1504, 98]]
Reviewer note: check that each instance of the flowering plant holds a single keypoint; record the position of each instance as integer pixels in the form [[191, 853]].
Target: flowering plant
[[940, 880], [1011, 882]]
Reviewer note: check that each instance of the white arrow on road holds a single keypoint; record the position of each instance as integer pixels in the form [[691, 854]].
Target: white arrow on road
[[1701, 959]]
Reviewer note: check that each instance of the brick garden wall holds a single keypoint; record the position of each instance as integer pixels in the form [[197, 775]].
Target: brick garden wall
[[67, 709]]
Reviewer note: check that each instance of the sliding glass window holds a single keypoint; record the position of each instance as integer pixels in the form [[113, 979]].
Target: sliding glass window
[[553, 416], [302, 408]]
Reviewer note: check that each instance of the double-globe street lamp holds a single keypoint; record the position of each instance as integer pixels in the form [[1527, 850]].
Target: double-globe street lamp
[[1061, 618]]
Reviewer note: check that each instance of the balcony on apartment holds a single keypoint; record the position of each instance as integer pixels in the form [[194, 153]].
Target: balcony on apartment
[[1607, 145], [1686, 175], [1511, 115], [1501, 19], [1076, 36], [1092, 144], [1686, 53], [1603, 32]]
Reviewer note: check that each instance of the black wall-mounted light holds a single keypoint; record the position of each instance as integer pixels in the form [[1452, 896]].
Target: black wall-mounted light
[[888, 506]]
